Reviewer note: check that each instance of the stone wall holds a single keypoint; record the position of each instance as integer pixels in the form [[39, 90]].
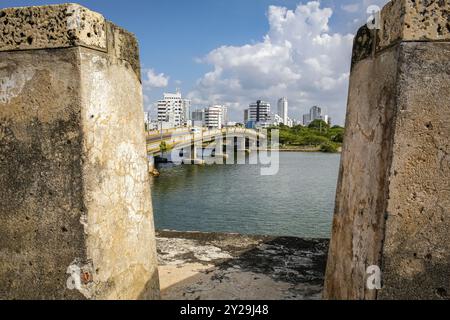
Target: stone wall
[[76, 216], [393, 197]]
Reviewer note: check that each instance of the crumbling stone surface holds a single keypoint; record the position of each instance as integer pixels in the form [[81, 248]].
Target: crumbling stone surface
[[66, 25], [414, 20], [54, 26]]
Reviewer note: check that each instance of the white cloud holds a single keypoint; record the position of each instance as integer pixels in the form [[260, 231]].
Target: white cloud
[[299, 58], [146, 99], [153, 80], [352, 8]]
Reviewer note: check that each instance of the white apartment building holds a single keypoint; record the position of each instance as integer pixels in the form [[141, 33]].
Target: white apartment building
[[215, 116], [259, 112], [276, 120], [173, 110]]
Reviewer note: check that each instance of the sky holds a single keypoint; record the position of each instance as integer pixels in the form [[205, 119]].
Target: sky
[[234, 52]]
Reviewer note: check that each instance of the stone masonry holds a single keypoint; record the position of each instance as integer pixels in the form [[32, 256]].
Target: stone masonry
[[393, 198], [75, 209]]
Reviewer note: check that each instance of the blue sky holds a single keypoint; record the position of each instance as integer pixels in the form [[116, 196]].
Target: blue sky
[[196, 45]]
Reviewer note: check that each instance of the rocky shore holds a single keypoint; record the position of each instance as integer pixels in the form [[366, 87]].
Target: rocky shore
[[205, 266]]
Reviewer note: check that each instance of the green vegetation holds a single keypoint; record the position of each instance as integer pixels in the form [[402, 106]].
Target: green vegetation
[[318, 135]]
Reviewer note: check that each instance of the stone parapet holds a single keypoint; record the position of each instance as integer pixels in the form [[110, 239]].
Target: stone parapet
[[402, 21], [64, 26], [55, 26]]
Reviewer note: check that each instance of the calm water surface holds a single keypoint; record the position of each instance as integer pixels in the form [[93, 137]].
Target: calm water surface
[[298, 201]]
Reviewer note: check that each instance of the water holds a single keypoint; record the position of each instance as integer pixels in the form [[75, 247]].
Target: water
[[298, 201]]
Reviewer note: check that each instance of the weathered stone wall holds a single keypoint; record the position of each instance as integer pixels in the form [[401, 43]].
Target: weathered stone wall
[[74, 189], [416, 253], [393, 198]]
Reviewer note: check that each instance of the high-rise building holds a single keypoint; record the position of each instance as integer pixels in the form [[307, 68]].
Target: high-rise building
[[306, 119], [283, 106], [198, 118], [315, 113], [224, 115], [173, 109], [259, 111], [198, 115], [246, 115], [187, 109]]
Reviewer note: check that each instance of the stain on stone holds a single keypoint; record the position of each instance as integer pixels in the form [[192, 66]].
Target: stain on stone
[[362, 45]]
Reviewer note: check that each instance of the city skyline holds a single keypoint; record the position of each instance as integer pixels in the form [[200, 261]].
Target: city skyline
[[160, 112]]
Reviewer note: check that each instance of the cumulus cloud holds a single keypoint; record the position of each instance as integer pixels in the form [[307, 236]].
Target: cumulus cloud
[[352, 7], [153, 80], [299, 58]]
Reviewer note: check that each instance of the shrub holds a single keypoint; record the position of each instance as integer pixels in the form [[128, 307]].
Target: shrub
[[328, 147]]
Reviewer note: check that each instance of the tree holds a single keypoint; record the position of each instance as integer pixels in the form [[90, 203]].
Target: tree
[[313, 140], [319, 125], [338, 137]]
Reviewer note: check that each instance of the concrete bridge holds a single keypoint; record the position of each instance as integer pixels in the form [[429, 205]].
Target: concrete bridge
[[191, 140]]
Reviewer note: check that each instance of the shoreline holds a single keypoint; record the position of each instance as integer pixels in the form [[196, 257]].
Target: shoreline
[[301, 150]]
